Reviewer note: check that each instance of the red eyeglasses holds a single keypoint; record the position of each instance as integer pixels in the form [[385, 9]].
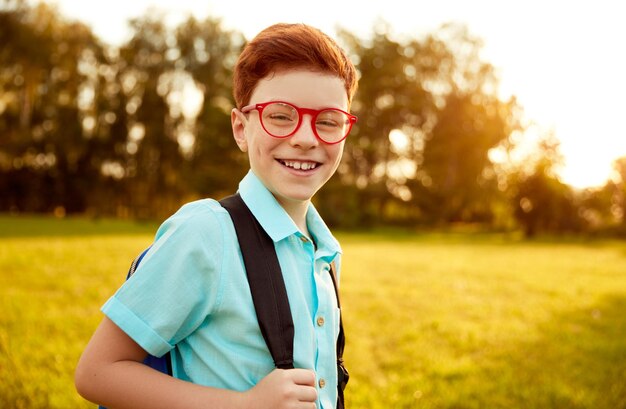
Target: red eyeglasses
[[281, 120]]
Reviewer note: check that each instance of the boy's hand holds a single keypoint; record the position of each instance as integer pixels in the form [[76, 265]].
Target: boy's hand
[[282, 389]]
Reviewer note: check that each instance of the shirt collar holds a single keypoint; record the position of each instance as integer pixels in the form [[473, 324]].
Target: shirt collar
[[264, 206], [324, 240], [275, 220]]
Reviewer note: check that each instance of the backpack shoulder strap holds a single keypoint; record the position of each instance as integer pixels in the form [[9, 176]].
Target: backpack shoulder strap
[[342, 372], [267, 286], [265, 278], [341, 340], [135, 263]]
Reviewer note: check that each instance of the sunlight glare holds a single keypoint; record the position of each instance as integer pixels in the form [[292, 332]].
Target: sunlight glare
[[565, 69]]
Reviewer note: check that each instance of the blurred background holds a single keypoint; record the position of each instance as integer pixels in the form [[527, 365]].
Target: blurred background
[[503, 116]]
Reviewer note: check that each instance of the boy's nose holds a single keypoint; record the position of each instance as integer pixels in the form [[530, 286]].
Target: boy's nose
[[305, 137]]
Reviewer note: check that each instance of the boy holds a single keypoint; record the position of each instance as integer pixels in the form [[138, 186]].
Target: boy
[[293, 87]]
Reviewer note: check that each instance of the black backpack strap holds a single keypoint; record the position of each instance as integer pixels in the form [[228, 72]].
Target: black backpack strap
[[266, 282], [342, 371], [265, 277]]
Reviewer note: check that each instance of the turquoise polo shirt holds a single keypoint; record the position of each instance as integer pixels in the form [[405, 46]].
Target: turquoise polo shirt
[[190, 296]]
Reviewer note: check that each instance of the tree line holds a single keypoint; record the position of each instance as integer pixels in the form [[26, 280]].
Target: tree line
[[138, 129]]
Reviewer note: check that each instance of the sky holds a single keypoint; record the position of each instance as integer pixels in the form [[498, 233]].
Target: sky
[[564, 61]]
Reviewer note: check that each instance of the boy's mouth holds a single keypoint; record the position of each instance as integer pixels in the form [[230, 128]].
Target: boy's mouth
[[298, 164]]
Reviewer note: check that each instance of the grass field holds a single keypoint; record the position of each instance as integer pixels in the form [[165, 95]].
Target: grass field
[[432, 320]]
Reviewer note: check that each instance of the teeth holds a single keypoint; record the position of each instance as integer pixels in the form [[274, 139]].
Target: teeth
[[299, 165]]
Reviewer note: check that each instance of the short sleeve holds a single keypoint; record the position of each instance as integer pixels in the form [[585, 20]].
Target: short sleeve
[[177, 285]]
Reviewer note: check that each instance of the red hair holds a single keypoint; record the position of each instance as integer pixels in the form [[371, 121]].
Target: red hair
[[290, 46]]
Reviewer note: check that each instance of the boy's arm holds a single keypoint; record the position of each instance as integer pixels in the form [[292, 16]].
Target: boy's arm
[[111, 373]]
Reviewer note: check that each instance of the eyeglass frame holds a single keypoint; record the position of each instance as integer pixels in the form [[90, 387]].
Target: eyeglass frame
[[301, 112]]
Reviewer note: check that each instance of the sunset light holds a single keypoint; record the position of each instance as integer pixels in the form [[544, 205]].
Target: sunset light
[[564, 66], [455, 169]]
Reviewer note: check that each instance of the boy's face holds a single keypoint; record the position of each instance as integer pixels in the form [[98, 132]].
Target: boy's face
[[285, 165]]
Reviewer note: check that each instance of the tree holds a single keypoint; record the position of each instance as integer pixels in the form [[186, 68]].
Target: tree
[[208, 53], [148, 77], [541, 202], [46, 159], [605, 208], [456, 180], [619, 198], [93, 128], [430, 115], [391, 96]]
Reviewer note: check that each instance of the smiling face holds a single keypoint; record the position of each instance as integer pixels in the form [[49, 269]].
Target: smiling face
[[292, 168]]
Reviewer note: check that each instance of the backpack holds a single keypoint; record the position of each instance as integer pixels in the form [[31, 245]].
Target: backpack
[[264, 277]]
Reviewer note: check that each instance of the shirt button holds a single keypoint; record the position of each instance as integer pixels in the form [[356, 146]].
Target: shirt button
[[320, 321], [304, 239], [322, 382]]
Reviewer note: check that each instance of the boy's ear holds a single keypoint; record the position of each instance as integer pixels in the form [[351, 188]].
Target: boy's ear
[[238, 122]]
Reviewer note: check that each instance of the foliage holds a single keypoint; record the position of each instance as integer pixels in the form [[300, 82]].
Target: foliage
[[91, 128], [430, 117], [541, 202], [604, 209], [42, 150], [456, 180], [209, 54], [139, 129]]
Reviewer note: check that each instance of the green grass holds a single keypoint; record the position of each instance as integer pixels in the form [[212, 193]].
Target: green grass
[[485, 323], [433, 320]]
